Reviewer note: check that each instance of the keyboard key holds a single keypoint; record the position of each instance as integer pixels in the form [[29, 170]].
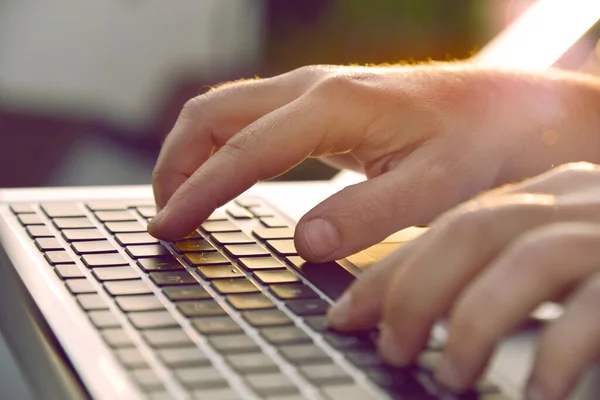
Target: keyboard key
[[123, 288], [252, 301], [80, 286], [248, 202], [200, 308], [152, 320], [77, 235], [91, 302], [58, 210], [30, 219], [287, 291], [216, 394], [147, 379], [58, 257], [115, 273], [279, 276], [284, 335], [317, 323], [345, 392], [229, 344], [160, 264], [128, 239], [254, 263], [272, 384], [220, 272], [93, 247], [141, 203], [147, 212], [194, 235], [219, 226], [395, 379], [274, 222], [245, 250], [104, 260], [178, 293], [261, 211], [39, 231], [329, 374], [234, 286], [193, 246], [308, 307], [46, 244], [364, 359], [166, 338], [116, 338], [224, 238], [167, 278], [251, 363], [239, 213], [68, 271], [304, 354], [72, 223], [263, 318], [183, 357], [107, 205], [342, 341], [124, 227], [330, 277], [115, 216], [283, 247], [139, 303], [200, 378], [103, 319], [216, 325], [217, 215], [22, 208], [273, 233], [147, 251], [206, 258], [131, 358]]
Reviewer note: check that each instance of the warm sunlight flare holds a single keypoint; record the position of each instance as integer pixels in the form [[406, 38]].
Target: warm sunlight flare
[[541, 35]]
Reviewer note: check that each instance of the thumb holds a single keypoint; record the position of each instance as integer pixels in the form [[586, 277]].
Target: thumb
[[414, 192]]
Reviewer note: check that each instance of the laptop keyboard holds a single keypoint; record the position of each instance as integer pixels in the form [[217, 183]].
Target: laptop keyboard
[[229, 312]]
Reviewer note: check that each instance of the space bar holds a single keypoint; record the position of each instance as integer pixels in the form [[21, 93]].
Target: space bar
[[330, 277]]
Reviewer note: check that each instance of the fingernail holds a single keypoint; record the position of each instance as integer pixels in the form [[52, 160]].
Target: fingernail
[[448, 375], [535, 392], [322, 237], [339, 313], [157, 218], [390, 349]]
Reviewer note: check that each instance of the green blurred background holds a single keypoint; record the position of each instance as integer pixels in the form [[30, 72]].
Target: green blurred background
[[74, 109]]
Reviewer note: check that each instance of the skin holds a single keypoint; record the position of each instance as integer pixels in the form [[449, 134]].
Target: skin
[[428, 137]]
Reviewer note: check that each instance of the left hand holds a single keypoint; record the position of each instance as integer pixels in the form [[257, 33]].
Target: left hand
[[488, 264]]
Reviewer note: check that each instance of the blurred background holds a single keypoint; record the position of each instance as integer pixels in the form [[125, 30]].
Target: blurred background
[[89, 89]]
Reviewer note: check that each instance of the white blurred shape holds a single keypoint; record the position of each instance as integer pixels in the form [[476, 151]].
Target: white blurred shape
[[541, 35], [118, 59]]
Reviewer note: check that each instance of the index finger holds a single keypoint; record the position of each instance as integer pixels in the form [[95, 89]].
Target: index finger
[[266, 148], [206, 122]]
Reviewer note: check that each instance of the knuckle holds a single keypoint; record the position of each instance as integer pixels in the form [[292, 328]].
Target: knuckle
[[240, 143], [344, 83], [468, 219], [192, 108]]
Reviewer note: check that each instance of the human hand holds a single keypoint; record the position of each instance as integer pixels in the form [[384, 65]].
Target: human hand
[[489, 263], [427, 137]]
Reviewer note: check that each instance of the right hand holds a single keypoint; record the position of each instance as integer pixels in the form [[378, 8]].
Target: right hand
[[427, 137]]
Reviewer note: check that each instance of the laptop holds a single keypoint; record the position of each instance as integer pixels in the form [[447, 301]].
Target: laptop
[[94, 307]]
